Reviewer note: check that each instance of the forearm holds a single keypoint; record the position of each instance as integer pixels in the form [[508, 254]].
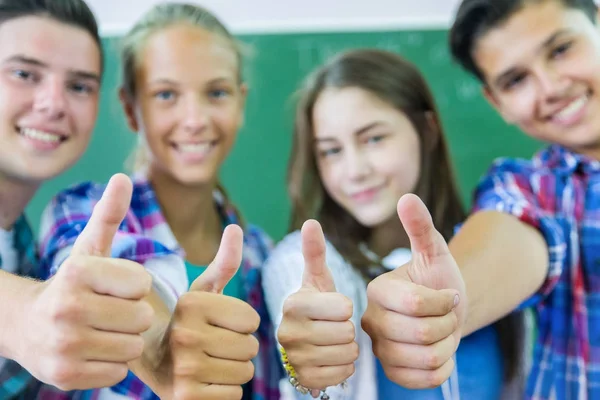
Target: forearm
[[503, 262], [16, 293]]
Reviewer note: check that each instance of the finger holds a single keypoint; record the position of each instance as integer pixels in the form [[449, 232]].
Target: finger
[[323, 377], [325, 356], [316, 274], [112, 314], [418, 378], [217, 310], [226, 262], [425, 240], [318, 333], [191, 390], [318, 306], [405, 329], [110, 276], [217, 342], [430, 357], [410, 299], [97, 236], [212, 370], [112, 347], [91, 375]]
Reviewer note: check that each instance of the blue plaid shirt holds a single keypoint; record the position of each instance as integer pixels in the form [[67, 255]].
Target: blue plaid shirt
[[558, 192]]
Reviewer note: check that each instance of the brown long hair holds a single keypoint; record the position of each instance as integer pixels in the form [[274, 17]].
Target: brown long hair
[[399, 83]]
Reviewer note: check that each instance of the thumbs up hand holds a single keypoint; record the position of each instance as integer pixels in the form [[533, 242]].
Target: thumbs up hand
[[415, 312], [86, 321], [316, 331], [211, 340]]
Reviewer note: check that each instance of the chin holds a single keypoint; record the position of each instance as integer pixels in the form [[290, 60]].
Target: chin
[[371, 220]]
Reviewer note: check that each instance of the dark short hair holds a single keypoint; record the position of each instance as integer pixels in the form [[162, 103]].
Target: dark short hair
[[70, 12], [474, 18]]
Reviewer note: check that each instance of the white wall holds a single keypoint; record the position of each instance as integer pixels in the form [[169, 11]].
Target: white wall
[[264, 16]]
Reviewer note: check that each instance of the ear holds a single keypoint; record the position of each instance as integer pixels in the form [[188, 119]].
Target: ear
[[494, 102], [129, 109], [433, 131]]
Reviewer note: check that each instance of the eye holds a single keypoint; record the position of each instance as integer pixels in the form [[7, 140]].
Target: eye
[[375, 139], [81, 88], [329, 152], [218, 93], [514, 81], [560, 49], [165, 95], [23, 74]]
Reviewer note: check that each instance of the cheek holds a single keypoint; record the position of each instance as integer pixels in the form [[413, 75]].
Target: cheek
[[403, 172], [331, 177], [86, 115], [519, 108], [228, 120]]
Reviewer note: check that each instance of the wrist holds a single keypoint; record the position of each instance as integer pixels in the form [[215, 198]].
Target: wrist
[[18, 296], [154, 366]]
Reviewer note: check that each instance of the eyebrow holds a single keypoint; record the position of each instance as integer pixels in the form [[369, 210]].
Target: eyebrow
[[37, 63], [358, 132], [547, 43], [169, 81]]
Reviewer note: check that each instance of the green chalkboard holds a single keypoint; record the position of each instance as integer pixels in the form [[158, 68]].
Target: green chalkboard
[[255, 172]]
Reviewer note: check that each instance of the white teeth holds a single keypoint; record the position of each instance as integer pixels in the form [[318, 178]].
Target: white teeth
[[194, 147], [40, 135], [572, 109]]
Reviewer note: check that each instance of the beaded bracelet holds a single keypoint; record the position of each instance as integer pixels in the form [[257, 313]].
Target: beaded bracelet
[[293, 377]]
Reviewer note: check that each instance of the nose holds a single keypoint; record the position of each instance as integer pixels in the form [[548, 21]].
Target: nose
[[553, 86], [196, 115], [50, 99], [357, 165]]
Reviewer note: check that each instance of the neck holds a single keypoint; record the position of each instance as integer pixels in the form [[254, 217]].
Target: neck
[[387, 237], [14, 197], [191, 215]]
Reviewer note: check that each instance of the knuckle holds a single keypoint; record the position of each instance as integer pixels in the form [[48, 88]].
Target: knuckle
[[424, 333], [183, 337], [187, 302], [292, 306], [63, 375], [288, 336], [188, 368], [253, 347], [136, 347], [432, 360], [415, 303], [435, 378], [354, 351], [347, 332], [347, 372], [346, 306], [145, 313], [67, 343], [308, 376], [247, 373], [67, 309]]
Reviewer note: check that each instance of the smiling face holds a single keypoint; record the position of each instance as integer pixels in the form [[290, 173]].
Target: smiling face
[[547, 81], [49, 84], [367, 151], [189, 102]]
